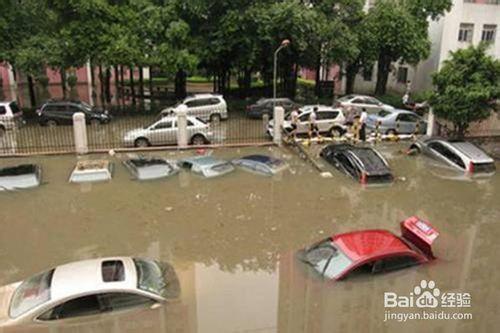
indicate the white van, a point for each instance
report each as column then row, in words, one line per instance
column 10, row 116
column 207, row 107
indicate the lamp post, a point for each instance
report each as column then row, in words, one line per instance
column 284, row 44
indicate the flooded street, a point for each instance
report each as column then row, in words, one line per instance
column 232, row 241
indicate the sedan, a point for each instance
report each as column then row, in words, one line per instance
column 88, row 288
column 265, row 106
column 396, row 122
column 360, row 103
column 372, row 251
column 262, row 164
column 208, row 166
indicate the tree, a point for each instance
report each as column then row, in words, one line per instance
column 467, row 87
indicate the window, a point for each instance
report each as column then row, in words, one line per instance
column 358, row 101
column 489, row 33
column 214, row 101
column 15, row 108
column 465, row 33
column 190, row 123
column 3, row 110
column 31, row 293
column 328, row 259
column 399, row 262
column 368, row 73
column 113, row 271
column 402, row 74
column 448, row 154
column 82, row 306
column 121, row 301
column 164, row 125
column 55, row 108
column 150, row 277
column 327, row 115
column 407, row 117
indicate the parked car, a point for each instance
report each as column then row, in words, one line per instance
column 207, row 107
column 328, row 119
column 164, row 132
column 265, row 106
column 360, row 163
column 54, row 113
column 372, row 251
column 88, row 288
column 11, row 116
column 261, row 164
column 20, row 177
column 90, row 171
column 456, row 154
column 396, row 122
column 207, row 166
column 148, row 168
column 361, row 103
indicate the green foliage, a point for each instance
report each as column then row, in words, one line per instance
column 467, row 87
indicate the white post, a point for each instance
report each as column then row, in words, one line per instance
column 182, row 135
column 279, row 117
column 430, row 123
column 80, row 133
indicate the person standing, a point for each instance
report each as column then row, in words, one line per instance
column 362, row 123
column 313, row 126
column 295, row 122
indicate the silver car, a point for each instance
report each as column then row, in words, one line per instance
column 207, row 166
column 20, row 177
column 456, row 154
column 396, row 122
column 208, row 107
column 361, row 103
column 87, row 288
column 148, row 168
column 164, row 132
column 261, row 164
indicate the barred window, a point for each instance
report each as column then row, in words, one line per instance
column 465, row 33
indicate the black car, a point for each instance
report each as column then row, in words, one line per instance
column 265, row 106
column 361, row 163
column 54, row 113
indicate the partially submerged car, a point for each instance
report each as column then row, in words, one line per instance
column 457, row 154
column 372, row 251
column 88, row 288
column 261, row 164
column 20, row 177
column 91, row 171
column 360, row 163
column 144, row 168
column 208, row 166
column 396, row 122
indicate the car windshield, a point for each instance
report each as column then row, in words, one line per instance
column 150, row 277
column 383, row 113
column 329, row 260
column 222, row 167
column 15, row 109
column 31, row 293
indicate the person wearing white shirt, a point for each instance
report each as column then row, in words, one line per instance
column 313, row 126
column 362, row 121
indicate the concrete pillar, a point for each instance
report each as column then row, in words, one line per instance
column 279, row 117
column 430, row 123
column 182, row 135
column 80, row 133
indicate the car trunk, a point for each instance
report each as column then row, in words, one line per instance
column 419, row 233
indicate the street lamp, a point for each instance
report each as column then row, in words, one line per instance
column 284, row 44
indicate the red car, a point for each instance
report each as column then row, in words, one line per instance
column 373, row 251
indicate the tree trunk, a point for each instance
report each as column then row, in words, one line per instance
column 101, row 84
column 141, row 82
column 150, row 81
column 317, row 85
column 31, row 88
column 132, row 86
column 117, row 90
column 350, row 77
column 63, row 82
column 108, row 85
column 384, row 66
column 247, row 82
column 180, row 84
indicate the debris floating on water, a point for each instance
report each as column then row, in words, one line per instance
column 326, row 174
column 169, row 209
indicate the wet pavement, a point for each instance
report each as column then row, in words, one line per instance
column 232, row 241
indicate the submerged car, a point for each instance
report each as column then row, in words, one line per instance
column 207, row 166
column 457, row 154
column 143, row 168
column 164, row 132
column 372, row 251
column 360, row 163
column 396, row 122
column 20, row 177
column 262, row 164
column 88, row 288
column 91, row 171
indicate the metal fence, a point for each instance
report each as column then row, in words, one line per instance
column 35, row 138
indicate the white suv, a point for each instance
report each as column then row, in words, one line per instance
column 10, row 116
column 208, row 107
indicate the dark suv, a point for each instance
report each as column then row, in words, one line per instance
column 54, row 113
column 265, row 106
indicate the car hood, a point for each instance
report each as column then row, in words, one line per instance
column 5, row 296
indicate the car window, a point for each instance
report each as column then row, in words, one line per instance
column 447, row 153
column 3, row 110
column 122, row 301
column 14, row 107
column 408, row 117
column 358, row 100
column 74, row 109
column 383, row 113
column 371, row 101
column 399, row 262
column 150, row 277
column 31, row 293
column 304, row 117
column 192, row 104
column 214, row 101
column 55, row 108
column 347, row 164
column 164, row 125
column 329, row 259
column 190, row 123
column 327, row 115
column 78, row 307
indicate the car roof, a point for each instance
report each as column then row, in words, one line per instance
column 204, row 160
column 85, row 277
column 471, row 151
column 261, row 159
column 371, row 160
column 206, row 95
column 367, row 244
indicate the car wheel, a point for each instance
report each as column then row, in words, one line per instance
column 336, row 132
column 392, row 132
column 94, row 122
column 215, row 118
column 198, row 140
column 51, row 123
column 141, row 143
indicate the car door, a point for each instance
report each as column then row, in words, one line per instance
column 303, row 123
column 407, row 123
column 440, row 152
column 163, row 132
column 199, row 108
column 326, row 120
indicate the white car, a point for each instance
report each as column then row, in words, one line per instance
column 87, row 288
column 10, row 116
column 360, row 103
column 164, row 132
column 208, row 107
column 329, row 120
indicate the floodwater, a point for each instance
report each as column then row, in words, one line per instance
column 232, row 241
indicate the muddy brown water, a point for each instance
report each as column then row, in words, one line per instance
column 232, row 241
